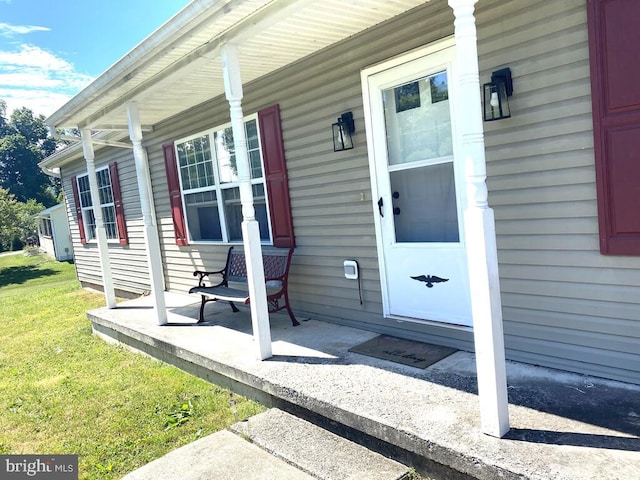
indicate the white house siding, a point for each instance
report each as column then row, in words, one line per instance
column 46, row 244
column 565, row 304
column 128, row 263
column 61, row 239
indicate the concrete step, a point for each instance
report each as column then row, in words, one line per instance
column 316, row 451
column 271, row 446
column 222, row 455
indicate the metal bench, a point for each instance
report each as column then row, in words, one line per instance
column 276, row 264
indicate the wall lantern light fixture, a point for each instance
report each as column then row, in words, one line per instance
column 342, row 131
column 496, row 95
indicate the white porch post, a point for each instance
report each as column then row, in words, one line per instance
column 480, row 233
column 250, row 227
column 152, row 242
column 101, row 233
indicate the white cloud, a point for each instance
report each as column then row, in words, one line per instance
column 35, row 78
column 31, row 56
column 9, row 30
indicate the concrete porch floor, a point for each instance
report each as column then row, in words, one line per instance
column 563, row 425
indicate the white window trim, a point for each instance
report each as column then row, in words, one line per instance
column 219, row 187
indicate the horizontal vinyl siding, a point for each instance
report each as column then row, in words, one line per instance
column 129, row 267
column 564, row 304
column 330, row 192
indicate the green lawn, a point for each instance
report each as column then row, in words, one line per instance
column 63, row 390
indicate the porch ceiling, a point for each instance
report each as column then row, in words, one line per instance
column 178, row 66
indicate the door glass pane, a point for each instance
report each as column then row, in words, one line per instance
column 424, row 204
column 417, row 120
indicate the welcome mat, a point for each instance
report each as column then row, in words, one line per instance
column 407, row 352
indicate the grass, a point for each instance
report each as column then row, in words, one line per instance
column 64, row 391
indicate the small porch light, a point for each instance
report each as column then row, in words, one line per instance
column 496, row 95
column 342, row 131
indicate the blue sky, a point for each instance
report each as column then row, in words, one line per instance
column 51, row 49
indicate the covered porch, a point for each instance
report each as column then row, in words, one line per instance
column 210, row 49
column 564, row 426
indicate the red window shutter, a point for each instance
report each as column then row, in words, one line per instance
column 614, row 37
column 175, row 195
column 276, row 178
column 76, row 199
column 117, row 201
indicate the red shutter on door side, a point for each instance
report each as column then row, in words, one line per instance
column 76, row 199
column 276, row 178
column 117, row 202
column 175, row 195
column 614, row 38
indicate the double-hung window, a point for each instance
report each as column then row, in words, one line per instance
column 110, row 205
column 203, row 184
column 207, row 168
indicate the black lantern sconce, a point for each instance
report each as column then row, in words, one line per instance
column 496, row 95
column 342, row 131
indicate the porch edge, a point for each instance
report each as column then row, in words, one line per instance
column 426, row 456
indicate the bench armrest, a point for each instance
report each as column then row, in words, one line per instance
column 203, row 274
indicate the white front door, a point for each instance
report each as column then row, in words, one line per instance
column 418, row 186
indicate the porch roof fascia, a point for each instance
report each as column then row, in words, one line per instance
column 142, row 53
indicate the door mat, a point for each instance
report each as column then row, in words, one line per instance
column 407, row 352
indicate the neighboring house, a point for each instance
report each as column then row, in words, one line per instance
column 54, row 233
column 563, row 170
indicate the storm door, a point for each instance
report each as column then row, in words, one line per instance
column 417, row 180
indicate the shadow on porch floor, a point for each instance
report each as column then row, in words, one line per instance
column 564, row 426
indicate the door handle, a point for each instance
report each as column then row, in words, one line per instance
column 380, row 203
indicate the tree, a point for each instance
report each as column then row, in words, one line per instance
column 25, row 141
column 18, row 220
column 8, row 219
column 4, row 127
